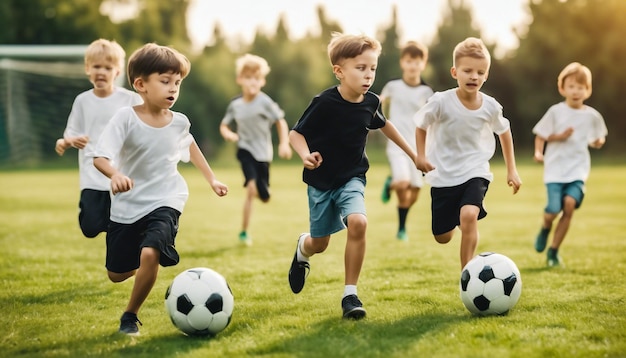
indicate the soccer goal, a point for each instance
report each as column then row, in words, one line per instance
column 37, row 87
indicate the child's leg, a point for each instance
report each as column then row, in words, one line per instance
column 355, row 248
column 569, row 206
column 251, row 193
column 469, row 232
column 145, row 278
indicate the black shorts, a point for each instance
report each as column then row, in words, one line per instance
column 255, row 170
column 447, row 202
column 158, row 230
column 95, row 211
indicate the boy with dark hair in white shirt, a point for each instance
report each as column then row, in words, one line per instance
column 455, row 155
column 147, row 142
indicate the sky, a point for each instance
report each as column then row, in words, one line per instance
column 418, row 19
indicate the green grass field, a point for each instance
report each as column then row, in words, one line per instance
column 57, row 302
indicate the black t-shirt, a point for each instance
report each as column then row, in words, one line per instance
column 338, row 129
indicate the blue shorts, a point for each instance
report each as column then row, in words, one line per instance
column 329, row 209
column 158, row 230
column 558, row 191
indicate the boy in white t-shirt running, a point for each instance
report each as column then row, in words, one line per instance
column 569, row 128
column 455, row 155
column 147, row 142
column 401, row 98
column 91, row 111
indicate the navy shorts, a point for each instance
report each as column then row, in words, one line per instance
column 447, row 202
column 95, row 211
column 257, row 171
column 158, row 230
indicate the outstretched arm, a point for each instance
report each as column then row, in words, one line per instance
column 512, row 177
column 299, row 144
column 421, row 161
column 199, row 161
column 284, row 150
column 390, row 131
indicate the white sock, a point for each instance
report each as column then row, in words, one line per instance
column 349, row 290
column 300, row 253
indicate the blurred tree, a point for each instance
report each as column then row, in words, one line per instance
column 589, row 32
column 388, row 63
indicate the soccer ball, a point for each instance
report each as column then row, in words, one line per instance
column 199, row 302
column 490, row 284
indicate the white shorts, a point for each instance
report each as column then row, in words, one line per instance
column 403, row 168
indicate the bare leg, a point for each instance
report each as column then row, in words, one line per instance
column 469, row 232
column 251, row 193
column 355, row 248
column 145, row 278
column 569, row 206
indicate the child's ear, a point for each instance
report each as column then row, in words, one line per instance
column 138, row 84
column 453, row 72
column 338, row 72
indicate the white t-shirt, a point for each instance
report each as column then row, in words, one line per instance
column 404, row 102
column 569, row 160
column 89, row 115
column 254, row 121
column 459, row 141
column 149, row 156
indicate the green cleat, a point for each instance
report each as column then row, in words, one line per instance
column 244, row 238
column 542, row 240
column 554, row 260
column 402, row 236
column 386, row 195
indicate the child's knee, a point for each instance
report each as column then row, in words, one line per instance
column 119, row 277
column 357, row 222
column 444, row 238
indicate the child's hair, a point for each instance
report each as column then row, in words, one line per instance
column 344, row 46
column 414, row 49
column 152, row 58
column 252, row 64
column 471, row 47
column 102, row 49
column 579, row 72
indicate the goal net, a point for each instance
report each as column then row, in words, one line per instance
column 38, row 85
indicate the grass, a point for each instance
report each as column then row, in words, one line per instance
column 57, row 302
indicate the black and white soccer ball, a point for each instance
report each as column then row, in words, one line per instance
column 199, row 302
column 490, row 284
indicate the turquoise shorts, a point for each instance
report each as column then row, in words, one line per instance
column 329, row 209
column 558, row 191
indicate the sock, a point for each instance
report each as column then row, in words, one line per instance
column 302, row 257
column 402, row 214
column 349, row 290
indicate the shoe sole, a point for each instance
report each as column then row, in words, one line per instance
column 356, row 314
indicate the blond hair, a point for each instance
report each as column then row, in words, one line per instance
column 343, row 46
column 152, row 58
column 471, row 47
column 580, row 73
column 249, row 63
column 102, row 49
column 414, row 49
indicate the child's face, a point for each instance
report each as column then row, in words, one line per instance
column 574, row 92
column 412, row 67
column 357, row 74
column 251, row 83
column 160, row 89
column 102, row 74
column 470, row 73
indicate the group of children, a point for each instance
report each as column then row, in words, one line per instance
column 130, row 143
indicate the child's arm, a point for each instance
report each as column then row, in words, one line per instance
column 539, row 145
column 284, row 150
column 228, row 134
column 512, row 177
column 299, row 144
column 422, row 162
column 598, row 143
column 60, row 146
column 390, row 131
column 119, row 182
column 199, row 161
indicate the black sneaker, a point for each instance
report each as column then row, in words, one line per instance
column 352, row 307
column 298, row 271
column 128, row 324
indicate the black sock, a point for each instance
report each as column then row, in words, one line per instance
column 402, row 214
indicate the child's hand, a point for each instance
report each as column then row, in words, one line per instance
column 597, row 144
column 284, row 150
column 232, row 137
column 313, row 160
column 566, row 134
column 514, row 181
column 219, row 188
column 538, row 157
column 60, row 146
column 78, row 142
column 423, row 164
column 121, row 183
